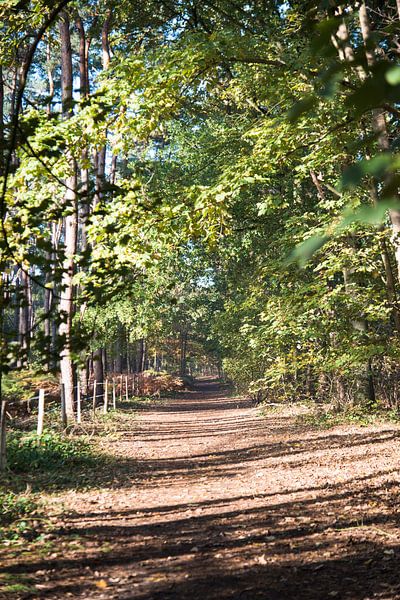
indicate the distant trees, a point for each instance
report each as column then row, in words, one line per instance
column 167, row 168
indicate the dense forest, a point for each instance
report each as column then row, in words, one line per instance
column 168, row 168
column 199, row 188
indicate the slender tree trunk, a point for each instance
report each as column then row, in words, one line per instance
column 2, row 137
column 56, row 231
column 118, row 358
column 380, row 127
column 100, row 157
column 389, row 275
column 346, row 53
column 98, row 374
column 140, row 355
column 183, row 352
column 144, row 355
column 84, row 201
column 47, row 308
column 3, row 432
column 66, row 305
column 50, row 79
column 359, row 325
column 24, row 320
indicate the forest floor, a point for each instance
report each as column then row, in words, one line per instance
column 215, row 501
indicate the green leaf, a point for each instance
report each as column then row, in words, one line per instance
column 393, row 76
column 371, row 215
column 304, row 251
column 376, row 167
column 301, row 107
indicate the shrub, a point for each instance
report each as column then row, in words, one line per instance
column 14, row 507
column 49, row 452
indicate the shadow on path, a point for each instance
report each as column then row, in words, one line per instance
column 224, row 504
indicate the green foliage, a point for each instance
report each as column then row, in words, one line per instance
column 239, row 158
column 17, row 515
column 352, row 415
column 22, row 385
column 14, row 507
column 50, row 452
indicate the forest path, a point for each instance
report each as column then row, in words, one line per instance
column 221, row 503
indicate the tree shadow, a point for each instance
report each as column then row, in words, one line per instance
column 305, row 542
column 279, row 549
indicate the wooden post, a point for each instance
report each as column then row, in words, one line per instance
column 64, row 419
column 3, row 453
column 126, row 388
column 40, row 421
column 120, row 390
column 78, row 404
column 114, row 395
column 133, row 384
column 94, row 396
column 105, row 407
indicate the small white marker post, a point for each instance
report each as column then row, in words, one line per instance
column 40, row 422
column 126, row 388
column 105, row 407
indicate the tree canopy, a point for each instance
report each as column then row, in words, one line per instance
column 189, row 183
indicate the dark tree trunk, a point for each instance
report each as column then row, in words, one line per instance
column 118, row 358
column 183, row 352
column 2, row 138
column 140, row 355
column 24, row 318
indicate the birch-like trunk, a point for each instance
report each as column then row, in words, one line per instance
column 84, row 201
column 100, row 166
column 66, row 305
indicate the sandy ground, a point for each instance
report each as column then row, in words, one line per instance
column 217, row 502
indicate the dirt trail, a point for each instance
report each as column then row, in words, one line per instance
column 221, row 503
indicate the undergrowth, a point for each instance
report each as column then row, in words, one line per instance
column 17, row 515
column 56, row 460
column 356, row 415
column 35, row 463
column 48, row 452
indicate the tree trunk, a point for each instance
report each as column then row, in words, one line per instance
column 3, row 433
column 98, row 374
column 380, row 127
column 389, row 275
column 84, row 201
column 24, row 320
column 140, row 355
column 100, row 158
column 183, row 352
column 66, row 305
column 118, row 358
column 50, row 78
column 2, row 138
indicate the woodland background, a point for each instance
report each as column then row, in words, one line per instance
column 202, row 186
